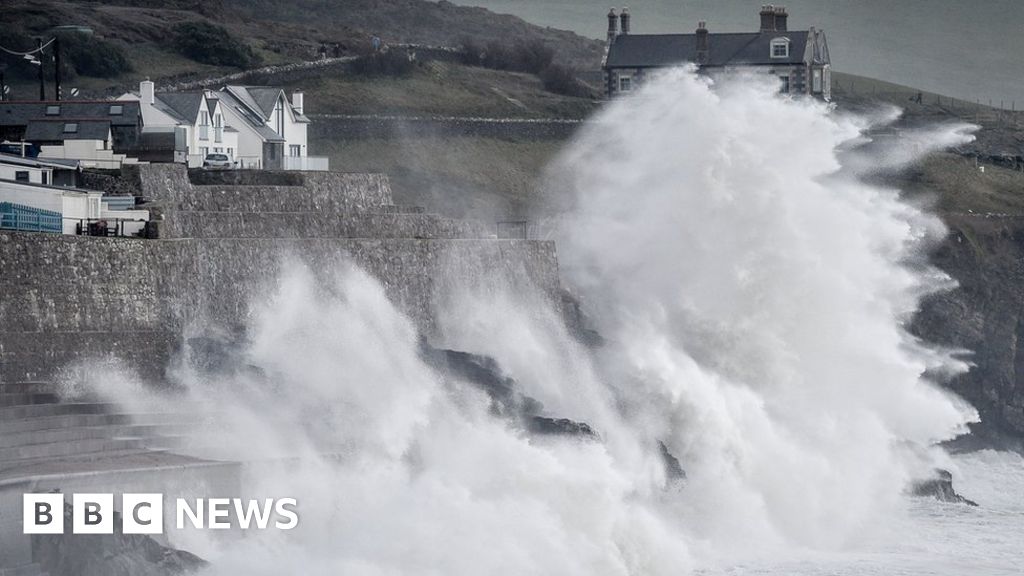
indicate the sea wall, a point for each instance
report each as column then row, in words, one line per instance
column 65, row 299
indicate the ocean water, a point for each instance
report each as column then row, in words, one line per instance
column 969, row 50
column 752, row 288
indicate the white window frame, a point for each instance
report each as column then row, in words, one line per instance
column 817, row 81
column 780, row 42
column 785, row 84
column 625, row 83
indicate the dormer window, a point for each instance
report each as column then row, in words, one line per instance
column 71, row 128
column 780, row 48
column 116, row 109
column 53, row 110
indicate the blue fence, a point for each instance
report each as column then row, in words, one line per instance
column 29, row 219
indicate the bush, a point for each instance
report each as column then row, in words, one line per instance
column 384, row 63
column 534, row 57
column 90, row 56
column 561, row 80
column 212, row 44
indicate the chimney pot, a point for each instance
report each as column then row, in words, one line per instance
column 297, row 101
column 703, row 44
column 781, row 19
column 613, row 24
column 767, row 18
column 147, row 92
column 625, row 20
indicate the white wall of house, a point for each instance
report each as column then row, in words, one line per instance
column 35, row 175
column 73, row 206
column 209, row 135
column 90, row 153
column 248, row 142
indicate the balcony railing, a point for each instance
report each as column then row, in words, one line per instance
column 307, row 163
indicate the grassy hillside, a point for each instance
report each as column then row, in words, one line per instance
column 147, row 34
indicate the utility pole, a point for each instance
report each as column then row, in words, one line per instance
column 42, row 78
column 56, row 69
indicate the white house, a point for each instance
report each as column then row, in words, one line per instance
column 39, row 170
column 196, row 115
column 271, row 128
column 88, row 141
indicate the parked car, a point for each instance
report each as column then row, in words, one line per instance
column 218, row 161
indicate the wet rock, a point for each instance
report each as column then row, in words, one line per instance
column 116, row 554
column 506, row 400
column 940, row 487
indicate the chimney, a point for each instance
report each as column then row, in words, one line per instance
column 625, row 20
column 146, row 91
column 703, row 48
column 297, row 101
column 767, row 18
column 781, row 19
column 613, row 25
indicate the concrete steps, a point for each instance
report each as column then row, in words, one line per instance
column 27, row 398
column 37, row 428
column 25, row 570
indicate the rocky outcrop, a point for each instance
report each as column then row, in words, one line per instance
column 940, row 487
column 984, row 315
column 116, row 554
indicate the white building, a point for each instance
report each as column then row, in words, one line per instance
column 39, row 170
column 77, row 208
column 196, row 116
column 88, row 141
column 271, row 128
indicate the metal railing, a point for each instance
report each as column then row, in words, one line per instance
column 107, row 227
column 513, row 229
column 28, row 219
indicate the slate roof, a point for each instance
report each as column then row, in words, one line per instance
column 37, row 162
column 53, row 130
column 262, row 99
column 184, row 105
column 724, row 49
column 20, row 113
column 241, row 102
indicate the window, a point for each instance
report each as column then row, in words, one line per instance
column 204, row 151
column 204, row 119
column 116, row 109
column 816, row 81
column 231, row 151
column 21, row 176
column 45, row 177
column 53, row 110
column 780, row 48
column 71, row 128
column 218, row 150
column 625, row 83
column 295, row 150
column 785, row 84
column 279, row 112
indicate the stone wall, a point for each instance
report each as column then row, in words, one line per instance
column 339, row 127
column 69, row 298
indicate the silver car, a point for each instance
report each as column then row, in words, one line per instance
column 218, row 161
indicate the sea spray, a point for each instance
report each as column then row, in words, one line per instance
column 759, row 291
column 751, row 292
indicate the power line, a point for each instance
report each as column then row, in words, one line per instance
column 30, row 52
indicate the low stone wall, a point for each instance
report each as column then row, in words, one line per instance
column 336, row 127
column 169, row 186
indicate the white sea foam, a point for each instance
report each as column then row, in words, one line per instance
column 752, row 292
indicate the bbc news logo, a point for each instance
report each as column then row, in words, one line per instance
column 144, row 513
